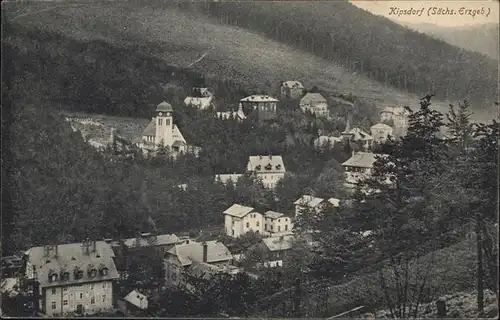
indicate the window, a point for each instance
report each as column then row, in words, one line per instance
column 286, row 227
column 248, row 224
column 65, row 302
column 104, row 285
column 167, row 122
column 91, row 286
column 257, row 223
column 104, row 298
column 279, row 228
column 92, row 300
column 53, row 290
column 233, row 232
column 81, row 295
column 53, row 304
column 271, row 227
column 65, row 289
column 160, row 121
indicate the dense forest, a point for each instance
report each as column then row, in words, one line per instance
column 361, row 42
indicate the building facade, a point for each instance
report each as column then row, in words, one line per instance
column 201, row 98
column 276, row 223
column 162, row 131
column 292, row 89
column 397, row 117
column 314, row 103
column 270, row 169
column 263, row 106
column 357, row 138
column 381, row 132
column 239, row 220
column 74, row 277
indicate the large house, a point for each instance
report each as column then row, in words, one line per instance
column 264, row 106
column 239, row 220
column 200, row 98
column 162, row 131
column 398, row 117
column 381, row 132
column 237, row 115
column 270, row 169
column 307, row 203
column 76, row 277
column 276, row 223
column 314, row 103
column 292, row 89
column 185, row 260
column 358, row 137
column 226, row 178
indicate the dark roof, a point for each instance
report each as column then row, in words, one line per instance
column 178, row 143
column 164, row 106
column 193, row 251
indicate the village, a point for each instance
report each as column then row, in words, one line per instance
column 86, row 278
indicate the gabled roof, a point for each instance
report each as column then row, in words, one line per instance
column 266, row 164
column 279, row 243
column 238, row 211
column 69, row 257
column 273, row 215
column 360, row 160
column 164, row 107
column 313, row 98
column 137, row 299
column 187, row 253
column 293, row 84
column 160, row 240
column 309, row 201
column 259, row 98
column 151, row 128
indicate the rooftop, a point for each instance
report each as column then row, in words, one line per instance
column 358, row 134
column 279, row 243
column 238, row 211
column 164, row 107
column 361, row 160
column 293, row 84
column 381, row 126
column 273, row 214
column 259, row 98
column 137, row 299
column 192, row 251
column 146, row 241
column 266, row 164
column 313, row 98
column 309, row 201
column 72, row 257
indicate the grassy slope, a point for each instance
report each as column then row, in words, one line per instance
column 181, row 38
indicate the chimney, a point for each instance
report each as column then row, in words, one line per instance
column 205, row 251
column 56, row 250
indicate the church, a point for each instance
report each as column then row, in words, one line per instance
column 162, row 131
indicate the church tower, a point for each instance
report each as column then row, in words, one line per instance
column 164, row 124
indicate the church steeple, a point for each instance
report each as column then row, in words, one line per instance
column 164, row 124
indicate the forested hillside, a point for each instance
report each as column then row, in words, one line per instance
column 481, row 38
column 364, row 43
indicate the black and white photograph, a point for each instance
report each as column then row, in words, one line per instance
column 250, row 159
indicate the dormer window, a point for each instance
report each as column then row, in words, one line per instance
column 92, row 271
column 258, row 167
column 78, row 273
column 52, row 276
column 278, row 166
column 64, row 275
column 103, row 270
column 269, row 167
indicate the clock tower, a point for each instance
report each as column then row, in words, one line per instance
column 164, row 124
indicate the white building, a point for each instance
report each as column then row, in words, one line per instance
column 226, row 178
column 270, row 169
column 277, row 249
column 314, row 103
column 276, row 223
column 381, row 132
column 399, row 118
column 76, row 277
column 201, row 98
column 162, row 131
column 264, row 105
column 239, row 220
